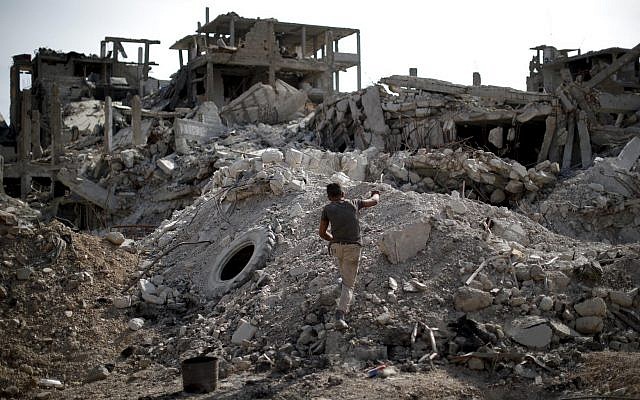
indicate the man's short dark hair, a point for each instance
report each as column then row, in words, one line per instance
column 334, row 190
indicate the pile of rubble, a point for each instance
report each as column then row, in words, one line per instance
column 16, row 217
column 423, row 113
column 600, row 203
column 512, row 293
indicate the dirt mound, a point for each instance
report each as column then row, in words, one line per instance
column 56, row 308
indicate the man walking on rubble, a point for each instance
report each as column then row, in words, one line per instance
column 345, row 242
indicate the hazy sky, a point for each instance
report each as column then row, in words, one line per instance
column 447, row 40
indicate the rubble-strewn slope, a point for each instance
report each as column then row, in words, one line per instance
column 534, row 291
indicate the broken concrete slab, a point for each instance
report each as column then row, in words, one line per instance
column 510, row 231
column 629, row 154
column 374, row 122
column 244, row 331
column 532, row 332
column 401, row 244
column 88, row 190
column 187, row 129
column 266, row 104
column 124, row 137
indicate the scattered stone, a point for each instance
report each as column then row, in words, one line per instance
column 469, row 299
column 244, row 331
column 24, row 273
column 591, row 307
column 122, row 301
column 135, row 323
column 166, row 165
column 3, row 292
column 621, row 298
column 546, row 303
column 589, row 325
column 97, row 373
column 116, row 238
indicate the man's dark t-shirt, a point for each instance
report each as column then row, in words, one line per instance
column 343, row 217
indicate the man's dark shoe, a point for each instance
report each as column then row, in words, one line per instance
column 341, row 324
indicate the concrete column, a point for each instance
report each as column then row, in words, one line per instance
column 25, row 185
column 140, row 73
column 145, row 71
column 24, row 137
column 232, row 32
column 136, row 120
column 304, row 42
column 315, row 47
column 36, row 147
column 55, row 125
column 337, row 71
column 14, row 83
column 359, row 68
column 206, row 15
column 181, row 60
column 328, row 44
column 477, row 80
column 103, row 49
column 209, row 84
column 108, row 125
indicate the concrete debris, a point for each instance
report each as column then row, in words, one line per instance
column 532, row 332
column 244, row 332
column 469, row 299
column 405, row 243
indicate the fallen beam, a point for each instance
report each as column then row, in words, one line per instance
column 600, row 77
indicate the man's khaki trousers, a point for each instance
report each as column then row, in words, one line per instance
column 348, row 259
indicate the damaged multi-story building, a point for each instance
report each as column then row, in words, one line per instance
column 231, row 53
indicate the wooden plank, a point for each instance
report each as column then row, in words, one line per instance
column 549, row 133
column 585, row 140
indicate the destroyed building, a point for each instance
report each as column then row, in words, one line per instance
column 503, row 254
column 232, row 53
